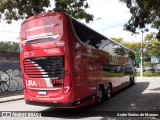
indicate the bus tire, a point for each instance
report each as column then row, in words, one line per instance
column 100, row 94
column 132, row 80
column 109, row 91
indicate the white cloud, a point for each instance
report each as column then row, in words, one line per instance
column 114, row 15
column 10, row 32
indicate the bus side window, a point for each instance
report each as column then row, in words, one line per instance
column 79, row 30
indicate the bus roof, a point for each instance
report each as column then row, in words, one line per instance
column 62, row 13
column 42, row 15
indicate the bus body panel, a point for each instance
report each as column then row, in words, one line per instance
column 59, row 69
column 36, row 48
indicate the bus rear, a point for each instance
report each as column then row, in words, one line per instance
column 44, row 61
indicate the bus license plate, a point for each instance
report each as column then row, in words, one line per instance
column 42, row 92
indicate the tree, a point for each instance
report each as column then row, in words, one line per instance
column 119, row 40
column 21, row 9
column 136, row 47
column 133, row 46
column 9, row 46
column 75, row 8
column 151, row 45
column 144, row 12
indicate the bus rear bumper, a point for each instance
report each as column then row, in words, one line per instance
column 75, row 104
column 49, row 104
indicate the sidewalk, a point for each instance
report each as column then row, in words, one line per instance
column 11, row 96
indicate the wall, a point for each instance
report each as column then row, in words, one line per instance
column 10, row 75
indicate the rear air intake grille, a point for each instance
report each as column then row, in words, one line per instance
column 44, row 67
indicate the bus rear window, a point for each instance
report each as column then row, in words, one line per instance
column 46, row 27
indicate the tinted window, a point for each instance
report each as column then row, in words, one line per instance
column 112, row 68
column 93, row 38
column 87, row 35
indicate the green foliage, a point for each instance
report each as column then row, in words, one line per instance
column 9, row 46
column 75, row 8
column 143, row 12
column 133, row 46
column 132, row 55
column 148, row 74
column 119, row 40
column 136, row 47
column 21, row 9
column 151, row 45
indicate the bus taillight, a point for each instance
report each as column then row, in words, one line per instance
column 67, row 82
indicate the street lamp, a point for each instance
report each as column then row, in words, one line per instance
column 141, row 74
column 95, row 20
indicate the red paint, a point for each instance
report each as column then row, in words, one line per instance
column 81, row 64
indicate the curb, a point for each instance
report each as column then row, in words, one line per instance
column 11, row 98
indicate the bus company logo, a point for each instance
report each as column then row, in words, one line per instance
column 31, row 83
column 40, row 27
column 35, row 83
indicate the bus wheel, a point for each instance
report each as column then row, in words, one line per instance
column 99, row 94
column 109, row 92
column 132, row 80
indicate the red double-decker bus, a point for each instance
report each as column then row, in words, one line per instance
column 67, row 64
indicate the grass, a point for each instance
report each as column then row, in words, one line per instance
column 149, row 74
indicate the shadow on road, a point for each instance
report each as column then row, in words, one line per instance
column 131, row 99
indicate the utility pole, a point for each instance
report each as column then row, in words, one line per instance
column 141, row 74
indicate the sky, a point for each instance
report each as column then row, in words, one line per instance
column 113, row 15
column 109, row 19
column 10, row 32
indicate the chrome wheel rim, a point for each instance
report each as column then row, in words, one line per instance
column 109, row 92
column 99, row 95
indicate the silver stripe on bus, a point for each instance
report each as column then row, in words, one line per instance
column 53, row 36
column 45, row 89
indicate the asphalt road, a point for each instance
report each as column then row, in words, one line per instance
column 143, row 97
